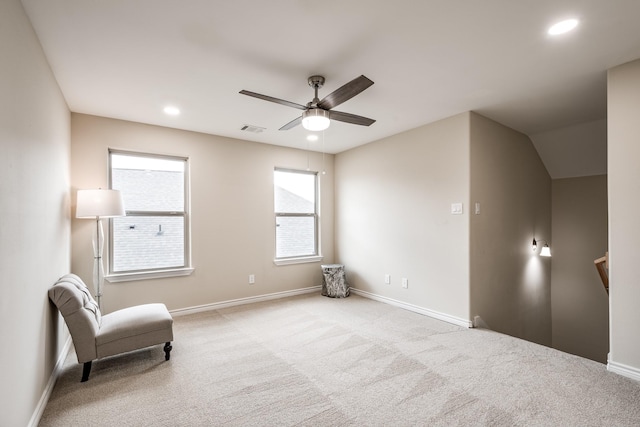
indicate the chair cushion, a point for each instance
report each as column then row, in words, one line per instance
column 80, row 312
column 134, row 327
column 74, row 296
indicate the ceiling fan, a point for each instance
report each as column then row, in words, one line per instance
column 317, row 114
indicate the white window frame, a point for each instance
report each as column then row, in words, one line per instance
column 300, row 259
column 184, row 270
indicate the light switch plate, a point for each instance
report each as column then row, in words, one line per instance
column 456, row 208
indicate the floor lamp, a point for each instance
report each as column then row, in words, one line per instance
column 98, row 204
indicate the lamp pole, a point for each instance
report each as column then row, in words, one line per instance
column 98, row 267
column 98, row 204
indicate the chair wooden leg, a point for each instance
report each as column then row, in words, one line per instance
column 167, row 350
column 86, row 370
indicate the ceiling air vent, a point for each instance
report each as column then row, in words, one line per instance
column 251, row 128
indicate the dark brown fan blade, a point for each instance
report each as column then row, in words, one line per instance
column 345, row 92
column 272, row 99
column 293, row 123
column 350, row 118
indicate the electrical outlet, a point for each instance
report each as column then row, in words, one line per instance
column 405, row 282
column 387, row 279
column 252, row 279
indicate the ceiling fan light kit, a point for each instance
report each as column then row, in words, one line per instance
column 315, row 119
column 316, row 115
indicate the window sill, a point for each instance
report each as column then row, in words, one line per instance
column 158, row 274
column 301, row 260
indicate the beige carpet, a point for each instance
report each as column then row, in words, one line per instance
column 316, row 361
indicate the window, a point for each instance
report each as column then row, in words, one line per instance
column 296, row 214
column 153, row 236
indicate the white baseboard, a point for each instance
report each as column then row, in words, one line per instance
column 622, row 369
column 242, row 301
column 267, row 297
column 46, row 394
column 465, row 323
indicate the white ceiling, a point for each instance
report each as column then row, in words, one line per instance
column 429, row 60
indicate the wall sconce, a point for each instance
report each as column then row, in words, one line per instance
column 545, row 251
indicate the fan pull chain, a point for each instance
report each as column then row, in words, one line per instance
column 323, row 171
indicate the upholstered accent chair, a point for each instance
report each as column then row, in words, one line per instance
column 96, row 336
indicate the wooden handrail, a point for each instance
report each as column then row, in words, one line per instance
column 602, row 265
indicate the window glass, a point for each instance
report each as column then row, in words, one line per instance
column 148, row 242
column 295, row 201
column 295, row 236
column 147, row 183
column 153, row 235
column 295, row 192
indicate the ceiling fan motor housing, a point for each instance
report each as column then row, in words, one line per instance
column 316, row 82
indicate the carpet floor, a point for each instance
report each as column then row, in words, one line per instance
column 315, row 361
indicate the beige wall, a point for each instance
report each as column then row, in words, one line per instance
column 580, row 304
column 393, row 216
column 623, row 167
column 34, row 212
column 232, row 222
column 510, row 285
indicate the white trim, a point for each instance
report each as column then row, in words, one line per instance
column 46, row 394
column 465, row 323
column 242, row 301
column 301, row 260
column 622, row 369
column 157, row 274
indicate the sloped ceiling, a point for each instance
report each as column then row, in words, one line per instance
column 429, row 60
column 574, row 151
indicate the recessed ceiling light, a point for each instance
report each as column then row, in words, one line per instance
column 312, row 137
column 171, row 110
column 562, row 27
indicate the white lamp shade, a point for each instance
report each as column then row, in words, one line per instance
column 545, row 251
column 315, row 119
column 99, row 204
